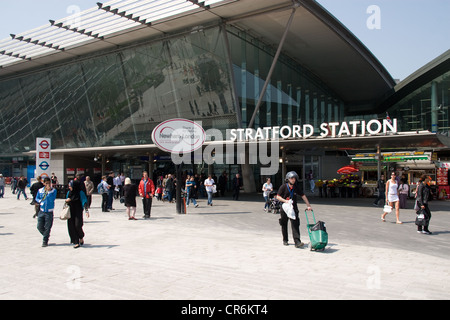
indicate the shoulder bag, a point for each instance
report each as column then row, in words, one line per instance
column 65, row 212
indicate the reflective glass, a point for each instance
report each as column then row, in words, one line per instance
column 118, row 98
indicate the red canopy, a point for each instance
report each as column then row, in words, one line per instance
column 347, row 170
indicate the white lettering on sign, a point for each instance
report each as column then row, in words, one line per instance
column 355, row 128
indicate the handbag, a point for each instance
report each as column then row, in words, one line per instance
column 421, row 218
column 387, row 209
column 65, row 212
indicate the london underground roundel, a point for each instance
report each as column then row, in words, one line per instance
column 179, row 136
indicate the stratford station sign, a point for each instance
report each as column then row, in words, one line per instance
column 355, row 128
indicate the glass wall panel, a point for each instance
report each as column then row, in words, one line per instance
column 118, row 98
column 426, row 108
column 294, row 95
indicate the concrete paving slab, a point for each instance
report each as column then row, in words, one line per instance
column 230, row 251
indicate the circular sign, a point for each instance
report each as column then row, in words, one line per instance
column 44, row 144
column 44, row 165
column 179, row 135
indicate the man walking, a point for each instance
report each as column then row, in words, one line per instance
column 291, row 191
column 209, row 183
column 237, row 184
column 147, row 192
column 46, row 198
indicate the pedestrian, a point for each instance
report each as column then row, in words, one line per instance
column 110, row 182
column 2, row 186
column 117, row 185
column 267, row 189
column 122, row 183
column 170, row 186
column 13, row 185
column 403, row 191
column 89, row 190
column 190, row 192
column 21, row 185
column 130, row 192
column 423, row 196
column 45, row 197
column 35, row 187
column 209, row 185
column 310, row 178
column 147, row 192
column 222, row 183
column 381, row 191
column 392, row 198
column 237, row 185
column 54, row 179
column 291, row 191
column 75, row 223
column 102, row 189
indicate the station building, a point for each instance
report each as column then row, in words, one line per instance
column 98, row 83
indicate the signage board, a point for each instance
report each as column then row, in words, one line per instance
column 179, row 136
column 43, row 157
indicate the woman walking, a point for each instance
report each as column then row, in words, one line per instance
column 75, row 223
column 423, row 195
column 267, row 189
column 130, row 192
column 403, row 191
column 392, row 197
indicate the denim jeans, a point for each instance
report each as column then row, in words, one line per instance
column 44, row 224
column 267, row 202
column 210, row 194
column 24, row 194
column 189, row 199
column 2, row 191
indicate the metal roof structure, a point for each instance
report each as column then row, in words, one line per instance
column 95, row 24
column 316, row 39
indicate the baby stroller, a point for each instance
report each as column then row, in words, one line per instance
column 274, row 204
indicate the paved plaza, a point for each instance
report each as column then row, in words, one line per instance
column 230, row 251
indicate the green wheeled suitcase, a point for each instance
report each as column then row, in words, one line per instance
column 318, row 235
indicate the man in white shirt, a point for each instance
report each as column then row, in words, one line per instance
column 209, row 186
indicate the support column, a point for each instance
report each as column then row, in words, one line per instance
column 434, row 107
column 272, row 68
column 151, row 166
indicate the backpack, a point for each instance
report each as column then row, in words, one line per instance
column 100, row 188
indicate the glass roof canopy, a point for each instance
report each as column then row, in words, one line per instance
column 95, row 24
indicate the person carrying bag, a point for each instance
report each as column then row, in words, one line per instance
column 424, row 213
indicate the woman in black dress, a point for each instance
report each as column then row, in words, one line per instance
column 130, row 193
column 75, row 223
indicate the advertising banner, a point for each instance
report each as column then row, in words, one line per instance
column 43, row 157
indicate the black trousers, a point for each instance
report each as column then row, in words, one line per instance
column 75, row 223
column 104, row 202
column 147, row 203
column 427, row 213
column 236, row 193
column 295, row 226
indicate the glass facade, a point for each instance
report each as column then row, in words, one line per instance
column 426, row 108
column 294, row 95
column 118, row 98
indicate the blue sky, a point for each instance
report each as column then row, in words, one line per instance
column 411, row 32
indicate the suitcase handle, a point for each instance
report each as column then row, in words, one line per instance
column 314, row 218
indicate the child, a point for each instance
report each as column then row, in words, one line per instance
column 159, row 193
column 46, row 198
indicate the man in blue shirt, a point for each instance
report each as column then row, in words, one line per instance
column 46, row 198
column 190, row 185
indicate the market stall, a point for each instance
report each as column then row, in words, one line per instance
column 410, row 165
